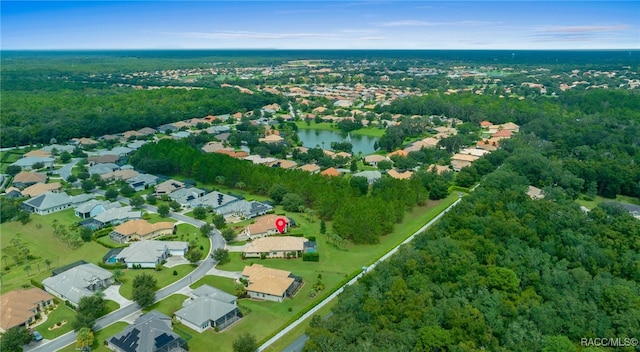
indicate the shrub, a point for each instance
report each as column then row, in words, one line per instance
column 311, row 257
column 175, row 273
column 312, row 238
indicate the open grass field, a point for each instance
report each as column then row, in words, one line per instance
column 38, row 237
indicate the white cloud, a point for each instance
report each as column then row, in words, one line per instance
column 252, row 35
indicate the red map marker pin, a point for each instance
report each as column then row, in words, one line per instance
column 281, row 224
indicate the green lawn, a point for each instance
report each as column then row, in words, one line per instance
column 168, row 305
column 164, row 277
column 590, row 204
column 154, row 218
column 39, row 239
column 100, row 337
column 61, row 313
column 327, row 126
column 223, row 283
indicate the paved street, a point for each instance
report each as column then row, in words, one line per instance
column 205, row 265
column 65, row 171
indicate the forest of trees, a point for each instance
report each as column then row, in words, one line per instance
column 37, row 116
column 333, row 198
column 500, row 272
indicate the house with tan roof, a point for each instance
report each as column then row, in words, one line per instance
column 485, row 124
column 25, row 179
column 84, row 141
column 284, row 164
column 146, row 131
column 502, row 134
column 39, row 153
column 136, row 230
column 535, row 193
column 439, row 169
column 399, row 175
column 272, row 138
column 232, row 153
column 510, row 126
column 264, row 226
column 331, row 172
column 399, row 153
column 275, row 247
column 458, row 161
column 19, row 308
column 129, row 134
column 374, row 159
column 40, row 188
column 167, row 187
column 270, row 284
column 120, row 175
column 312, row 168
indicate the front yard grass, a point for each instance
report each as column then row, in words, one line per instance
column 165, row 277
column 60, row 314
column 168, row 305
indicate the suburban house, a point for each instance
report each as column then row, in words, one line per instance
column 270, row 284
column 535, row 193
column 77, row 282
column 399, row 175
column 101, row 169
column 122, row 174
column 39, row 188
column 265, row 226
column 372, row 175
column 275, row 247
column 136, row 230
column 185, row 196
column 94, row 207
column 226, row 205
column 332, row 171
column 209, row 307
column 25, row 179
column 148, row 254
column 19, row 308
column 458, row 161
column 311, row 168
column 284, row 164
column 102, row 159
column 27, row 163
column 150, row 332
column 375, row 159
column 142, row 181
column 438, row 169
column 112, row 216
column 632, row 209
column 12, row 192
column 167, row 187
column 51, row 202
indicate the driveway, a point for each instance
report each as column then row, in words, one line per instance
column 237, row 248
column 112, row 293
column 229, row 274
column 175, row 260
column 65, row 171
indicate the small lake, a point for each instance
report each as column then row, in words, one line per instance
column 315, row 138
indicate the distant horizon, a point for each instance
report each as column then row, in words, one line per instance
column 319, row 25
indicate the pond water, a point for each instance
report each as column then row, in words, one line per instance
column 323, row 139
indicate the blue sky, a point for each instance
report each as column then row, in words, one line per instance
column 320, row 25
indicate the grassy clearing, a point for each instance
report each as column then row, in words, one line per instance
column 38, row 237
column 590, row 204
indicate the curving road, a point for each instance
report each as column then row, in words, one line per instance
column 204, row 266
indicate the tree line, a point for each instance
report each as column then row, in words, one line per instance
column 332, row 198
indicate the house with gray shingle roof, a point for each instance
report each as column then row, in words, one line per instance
column 112, row 216
column 185, row 196
column 47, row 203
column 210, row 308
column 27, row 163
column 371, row 175
column 150, row 253
column 102, row 169
column 80, row 281
column 151, row 332
column 142, row 181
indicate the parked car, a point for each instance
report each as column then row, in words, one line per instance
column 37, row 336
